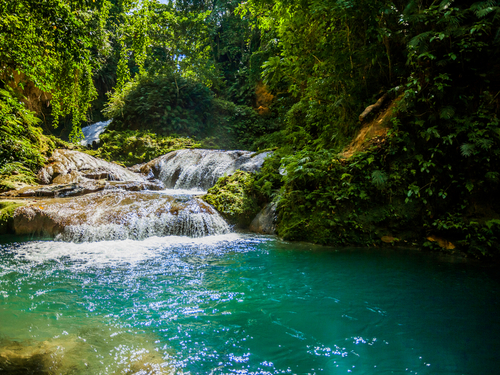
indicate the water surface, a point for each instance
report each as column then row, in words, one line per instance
column 242, row 304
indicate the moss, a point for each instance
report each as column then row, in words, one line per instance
column 129, row 147
column 14, row 175
column 234, row 197
column 7, row 209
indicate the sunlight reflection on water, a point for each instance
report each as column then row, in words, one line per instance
column 246, row 304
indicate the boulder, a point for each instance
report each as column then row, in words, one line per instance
column 265, row 221
column 67, row 166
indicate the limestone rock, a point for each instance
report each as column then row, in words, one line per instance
column 118, row 215
column 81, row 188
column 67, row 166
column 265, row 221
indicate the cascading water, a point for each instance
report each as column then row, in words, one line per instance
column 110, row 212
column 120, row 215
column 92, row 132
column 200, row 169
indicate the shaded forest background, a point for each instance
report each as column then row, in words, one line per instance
column 299, row 77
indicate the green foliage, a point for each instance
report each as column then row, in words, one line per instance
column 239, row 126
column 15, row 172
column 22, row 144
column 157, row 38
column 131, row 147
column 166, row 104
column 47, row 43
column 234, row 197
column 329, row 200
column 332, row 56
column 173, row 105
column 442, row 155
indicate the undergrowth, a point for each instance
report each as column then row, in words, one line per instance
column 131, row 147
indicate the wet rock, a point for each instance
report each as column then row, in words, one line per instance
column 67, row 166
column 265, row 221
column 118, row 215
column 199, row 169
column 81, row 188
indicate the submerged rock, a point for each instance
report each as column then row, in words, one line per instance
column 72, row 355
column 67, row 166
column 265, row 221
column 119, row 215
column 37, row 358
column 199, row 169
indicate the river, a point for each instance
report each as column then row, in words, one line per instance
column 243, row 304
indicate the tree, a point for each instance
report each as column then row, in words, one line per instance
column 47, row 43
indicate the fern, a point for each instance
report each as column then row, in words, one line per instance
column 379, row 178
column 467, row 149
column 447, row 113
column 485, row 143
column 482, row 9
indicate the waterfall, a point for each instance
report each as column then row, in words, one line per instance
column 117, row 211
column 200, row 169
column 120, row 215
column 92, row 132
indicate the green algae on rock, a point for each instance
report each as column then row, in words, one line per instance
column 7, row 209
column 234, row 198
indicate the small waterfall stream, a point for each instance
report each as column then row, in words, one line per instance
column 199, row 170
column 114, row 213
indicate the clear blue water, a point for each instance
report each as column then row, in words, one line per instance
column 241, row 304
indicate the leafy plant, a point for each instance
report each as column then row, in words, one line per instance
column 22, row 145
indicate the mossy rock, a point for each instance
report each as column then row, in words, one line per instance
column 130, row 147
column 15, row 175
column 233, row 197
column 7, row 209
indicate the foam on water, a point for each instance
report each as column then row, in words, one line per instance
column 119, row 252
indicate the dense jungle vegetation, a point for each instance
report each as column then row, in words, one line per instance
column 383, row 115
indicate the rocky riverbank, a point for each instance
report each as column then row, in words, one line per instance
column 83, row 198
